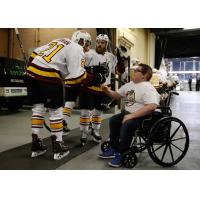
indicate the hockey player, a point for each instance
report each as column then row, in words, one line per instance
column 73, row 88
column 48, row 66
column 92, row 98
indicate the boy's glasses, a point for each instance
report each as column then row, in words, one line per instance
column 137, row 70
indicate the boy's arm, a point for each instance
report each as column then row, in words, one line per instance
column 110, row 93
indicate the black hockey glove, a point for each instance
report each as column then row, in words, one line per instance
column 94, row 79
column 98, row 79
column 102, row 68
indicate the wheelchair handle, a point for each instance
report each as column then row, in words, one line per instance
column 169, row 97
column 176, row 93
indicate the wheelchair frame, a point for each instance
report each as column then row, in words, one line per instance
column 166, row 138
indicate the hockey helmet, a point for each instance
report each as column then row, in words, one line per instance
column 102, row 37
column 81, row 35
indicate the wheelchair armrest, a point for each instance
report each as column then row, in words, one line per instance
column 163, row 107
column 166, row 110
column 151, row 119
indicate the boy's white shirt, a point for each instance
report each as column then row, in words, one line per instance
column 138, row 94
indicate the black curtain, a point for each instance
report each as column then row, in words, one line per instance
column 183, row 47
column 161, row 43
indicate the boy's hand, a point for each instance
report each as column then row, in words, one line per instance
column 104, row 87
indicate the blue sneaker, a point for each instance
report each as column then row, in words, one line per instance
column 109, row 153
column 116, row 162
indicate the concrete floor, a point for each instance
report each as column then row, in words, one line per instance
column 15, row 131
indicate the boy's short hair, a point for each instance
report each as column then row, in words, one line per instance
column 146, row 70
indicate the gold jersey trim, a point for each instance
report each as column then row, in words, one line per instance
column 33, row 55
column 43, row 73
column 98, row 89
column 76, row 80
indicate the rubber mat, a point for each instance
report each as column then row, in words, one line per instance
column 19, row 158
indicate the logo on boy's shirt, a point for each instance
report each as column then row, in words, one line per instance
column 130, row 98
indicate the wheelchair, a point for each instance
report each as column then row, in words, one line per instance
column 165, row 138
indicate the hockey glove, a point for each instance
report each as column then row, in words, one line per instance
column 94, row 79
column 102, row 68
column 98, row 79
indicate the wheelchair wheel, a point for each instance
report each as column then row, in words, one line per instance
column 105, row 145
column 129, row 159
column 168, row 141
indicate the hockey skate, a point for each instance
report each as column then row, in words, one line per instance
column 84, row 138
column 37, row 148
column 59, row 149
column 66, row 130
column 96, row 136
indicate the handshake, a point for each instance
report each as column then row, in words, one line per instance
column 102, row 68
column 99, row 73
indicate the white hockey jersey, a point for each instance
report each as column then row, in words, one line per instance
column 93, row 59
column 60, row 59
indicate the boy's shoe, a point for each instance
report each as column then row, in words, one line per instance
column 59, row 149
column 116, row 162
column 37, row 148
column 109, row 153
column 96, row 136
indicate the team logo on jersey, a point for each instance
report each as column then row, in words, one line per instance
column 108, row 69
column 130, row 98
column 82, row 62
column 64, row 41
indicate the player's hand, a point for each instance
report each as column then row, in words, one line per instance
column 104, row 87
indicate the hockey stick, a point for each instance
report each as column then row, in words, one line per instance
column 25, row 60
column 21, row 46
column 117, row 79
column 129, row 69
column 47, row 127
